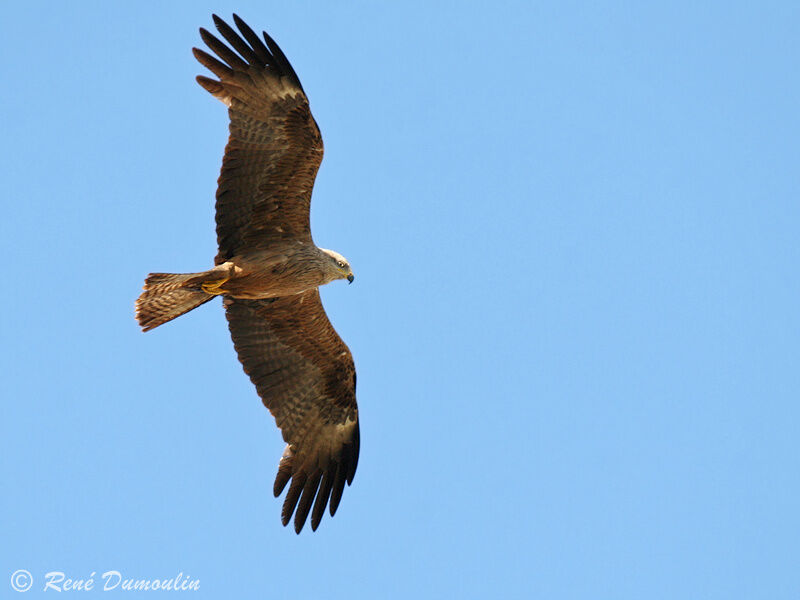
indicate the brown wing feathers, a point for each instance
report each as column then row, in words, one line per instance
column 324, row 484
column 274, row 149
column 304, row 374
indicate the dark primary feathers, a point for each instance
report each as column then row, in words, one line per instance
column 274, row 149
column 301, row 368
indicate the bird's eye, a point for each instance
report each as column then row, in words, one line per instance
column 340, row 263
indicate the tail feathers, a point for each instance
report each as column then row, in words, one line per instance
column 167, row 296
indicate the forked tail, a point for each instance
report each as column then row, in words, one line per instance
column 167, row 296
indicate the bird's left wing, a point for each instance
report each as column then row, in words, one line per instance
column 305, row 376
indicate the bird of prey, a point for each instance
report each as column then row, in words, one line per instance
column 268, row 270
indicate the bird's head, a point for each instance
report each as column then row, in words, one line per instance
column 336, row 266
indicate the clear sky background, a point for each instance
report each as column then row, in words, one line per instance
column 575, row 319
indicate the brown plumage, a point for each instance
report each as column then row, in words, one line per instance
column 268, row 271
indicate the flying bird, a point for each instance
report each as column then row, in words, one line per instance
column 268, row 270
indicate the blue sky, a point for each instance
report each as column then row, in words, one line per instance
column 575, row 319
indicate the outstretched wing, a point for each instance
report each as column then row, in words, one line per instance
column 305, row 375
column 274, row 149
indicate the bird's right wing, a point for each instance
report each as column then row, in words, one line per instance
column 274, row 149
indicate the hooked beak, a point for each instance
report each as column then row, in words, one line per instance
column 350, row 278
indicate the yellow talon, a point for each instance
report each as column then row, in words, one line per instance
column 213, row 287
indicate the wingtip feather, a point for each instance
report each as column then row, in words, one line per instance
column 304, row 506
column 284, row 472
column 338, row 487
column 292, row 496
column 321, row 502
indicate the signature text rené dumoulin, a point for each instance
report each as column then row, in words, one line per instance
column 57, row 581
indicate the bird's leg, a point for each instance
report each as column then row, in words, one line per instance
column 213, row 287
column 216, row 278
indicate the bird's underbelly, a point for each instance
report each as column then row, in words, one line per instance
column 265, row 284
